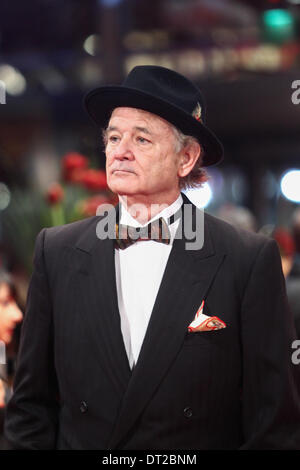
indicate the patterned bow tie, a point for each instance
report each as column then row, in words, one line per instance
column 157, row 231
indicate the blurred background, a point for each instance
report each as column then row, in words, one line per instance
column 245, row 57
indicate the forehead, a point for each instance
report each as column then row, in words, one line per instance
column 134, row 117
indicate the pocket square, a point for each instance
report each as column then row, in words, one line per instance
column 202, row 322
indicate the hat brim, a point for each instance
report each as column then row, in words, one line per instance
column 100, row 103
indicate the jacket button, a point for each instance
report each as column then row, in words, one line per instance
column 188, row 412
column 83, row 407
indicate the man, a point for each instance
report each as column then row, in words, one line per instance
column 151, row 345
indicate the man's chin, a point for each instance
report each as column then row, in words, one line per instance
column 122, row 190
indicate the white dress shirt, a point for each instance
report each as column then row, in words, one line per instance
column 139, row 271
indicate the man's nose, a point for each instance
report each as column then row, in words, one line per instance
column 124, row 151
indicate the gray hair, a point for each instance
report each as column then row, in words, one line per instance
column 197, row 175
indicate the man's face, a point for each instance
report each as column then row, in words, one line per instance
column 141, row 162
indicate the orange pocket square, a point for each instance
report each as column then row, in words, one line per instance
column 202, row 322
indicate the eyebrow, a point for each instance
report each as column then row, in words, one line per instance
column 136, row 128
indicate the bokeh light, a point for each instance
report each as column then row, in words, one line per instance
column 15, row 83
column 290, row 185
column 201, row 197
column 4, row 196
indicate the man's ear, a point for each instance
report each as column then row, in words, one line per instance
column 188, row 157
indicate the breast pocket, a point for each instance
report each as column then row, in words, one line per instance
column 203, row 338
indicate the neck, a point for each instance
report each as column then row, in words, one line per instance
column 144, row 210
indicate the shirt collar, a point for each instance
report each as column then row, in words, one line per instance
column 166, row 213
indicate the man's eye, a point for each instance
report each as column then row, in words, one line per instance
column 113, row 139
column 142, row 140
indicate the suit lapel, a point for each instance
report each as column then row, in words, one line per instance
column 187, row 278
column 98, row 300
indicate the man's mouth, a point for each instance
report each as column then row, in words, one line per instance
column 122, row 171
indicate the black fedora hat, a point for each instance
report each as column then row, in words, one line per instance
column 163, row 92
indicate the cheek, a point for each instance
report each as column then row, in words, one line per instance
column 107, row 163
column 168, row 168
column 161, row 170
column 110, row 152
column 108, row 158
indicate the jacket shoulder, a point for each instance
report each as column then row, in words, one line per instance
column 235, row 238
column 69, row 234
column 244, row 250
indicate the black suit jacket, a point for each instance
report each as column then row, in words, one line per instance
column 227, row 389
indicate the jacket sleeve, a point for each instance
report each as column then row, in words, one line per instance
column 32, row 412
column 271, row 381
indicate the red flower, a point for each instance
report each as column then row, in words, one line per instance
column 73, row 164
column 89, row 206
column 54, row 194
column 93, row 179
